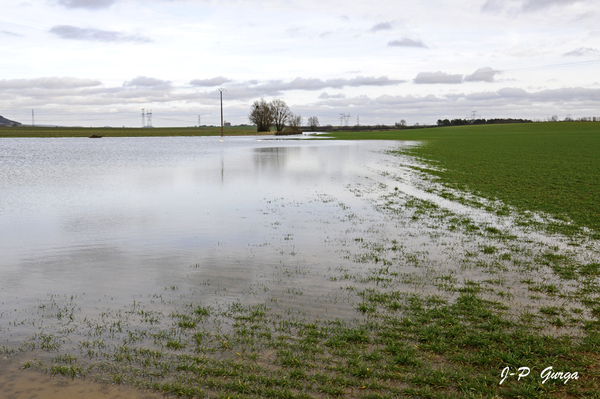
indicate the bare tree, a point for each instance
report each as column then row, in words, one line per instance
column 281, row 114
column 261, row 114
column 402, row 124
column 313, row 122
column 295, row 122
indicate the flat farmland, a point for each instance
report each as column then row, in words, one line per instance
column 552, row 168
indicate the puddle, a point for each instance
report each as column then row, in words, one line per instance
column 16, row 384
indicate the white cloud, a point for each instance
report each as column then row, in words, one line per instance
column 51, row 83
column 536, row 5
column 485, row 74
column 437, row 78
column 524, row 5
column 216, row 81
column 9, row 33
column 326, row 96
column 144, row 81
column 406, row 42
column 89, row 4
column 88, row 34
column 583, row 51
column 175, row 53
column 381, row 26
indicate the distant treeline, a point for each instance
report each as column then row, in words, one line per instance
column 459, row 122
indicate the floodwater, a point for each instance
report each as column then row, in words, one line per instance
column 99, row 224
column 90, row 228
column 236, row 219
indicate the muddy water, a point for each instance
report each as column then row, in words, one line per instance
column 18, row 384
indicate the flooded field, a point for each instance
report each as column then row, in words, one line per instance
column 249, row 266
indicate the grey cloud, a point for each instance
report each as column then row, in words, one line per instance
column 408, row 99
column 363, row 101
column 513, row 94
column 295, row 31
column 53, row 83
column 254, row 89
column 406, row 42
column 567, row 94
column 144, row 81
column 492, row 6
column 582, row 51
column 216, row 81
column 326, row 96
column 8, row 33
column 523, row 5
column 318, row 84
column 381, row 26
column 275, row 87
column 506, row 102
column 485, row 74
column 89, row 4
column 535, row 5
column 75, row 33
column 437, row 77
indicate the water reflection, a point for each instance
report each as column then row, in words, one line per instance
column 130, row 216
column 274, row 159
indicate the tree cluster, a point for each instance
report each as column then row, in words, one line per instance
column 274, row 113
column 459, row 122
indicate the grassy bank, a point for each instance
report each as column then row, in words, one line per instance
column 27, row 131
column 548, row 167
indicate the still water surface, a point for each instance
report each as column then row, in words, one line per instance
column 121, row 218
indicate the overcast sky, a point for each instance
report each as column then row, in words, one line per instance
column 99, row 62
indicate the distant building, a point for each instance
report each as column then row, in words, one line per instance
column 227, row 124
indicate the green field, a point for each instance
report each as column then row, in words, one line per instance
column 27, row 131
column 552, row 168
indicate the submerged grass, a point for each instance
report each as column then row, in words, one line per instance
column 421, row 346
column 553, row 168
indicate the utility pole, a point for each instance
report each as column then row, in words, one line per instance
column 32, row 119
column 221, row 90
column 199, row 121
column 344, row 119
column 143, row 117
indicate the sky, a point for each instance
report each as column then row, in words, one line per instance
column 100, row 62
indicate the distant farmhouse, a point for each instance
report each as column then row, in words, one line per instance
column 8, row 122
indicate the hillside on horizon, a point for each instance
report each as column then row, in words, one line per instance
column 8, row 122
